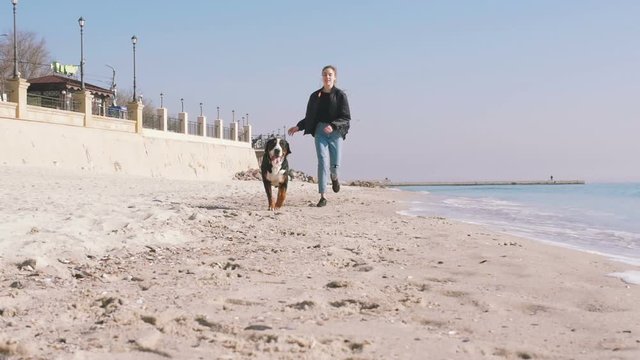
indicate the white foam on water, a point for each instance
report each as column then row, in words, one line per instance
column 629, row 277
column 558, row 226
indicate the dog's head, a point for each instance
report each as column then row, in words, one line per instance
column 278, row 149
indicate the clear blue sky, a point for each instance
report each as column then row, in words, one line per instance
column 439, row 90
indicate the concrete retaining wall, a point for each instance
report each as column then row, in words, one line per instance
column 7, row 110
column 152, row 153
column 55, row 116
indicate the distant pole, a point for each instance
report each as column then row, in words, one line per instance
column 182, row 104
column 81, row 23
column 200, row 109
column 134, row 40
column 161, row 99
column 247, row 119
column 218, row 110
column 233, row 116
column 113, row 77
column 16, row 73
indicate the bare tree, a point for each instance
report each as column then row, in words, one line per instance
column 123, row 97
column 33, row 55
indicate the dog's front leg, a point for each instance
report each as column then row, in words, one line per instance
column 267, row 189
column 282, row 194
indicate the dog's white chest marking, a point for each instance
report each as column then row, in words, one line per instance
column 276, row 175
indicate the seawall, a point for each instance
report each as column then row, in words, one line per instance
column 150, row 153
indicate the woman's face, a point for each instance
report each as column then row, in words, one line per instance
column 328, row 77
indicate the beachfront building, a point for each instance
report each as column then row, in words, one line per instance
column 56, row 92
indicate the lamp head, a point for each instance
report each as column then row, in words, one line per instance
column 81, row 22
column 134, row 39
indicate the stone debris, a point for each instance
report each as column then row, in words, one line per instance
column 302, row 305
column 367, row 183
column 254, row 174
column 29, row 265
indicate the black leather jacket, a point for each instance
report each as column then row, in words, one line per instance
column 340, row 115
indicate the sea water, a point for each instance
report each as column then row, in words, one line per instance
column 599, row 218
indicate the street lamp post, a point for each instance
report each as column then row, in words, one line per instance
column 200, row 109
column 134, row 40
column 81, row 23
column 2, row 80
column 113, row 89
column 16, row 73
column 182, row 103
column 161, row 100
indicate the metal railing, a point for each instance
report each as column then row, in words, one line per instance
column 211, row 130
column 98, row 109
column 193, row 128
column 152, row 122
column 259, row 141
column 174, row 124
column 65, row 103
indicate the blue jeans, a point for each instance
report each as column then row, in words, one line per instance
column 328, row 150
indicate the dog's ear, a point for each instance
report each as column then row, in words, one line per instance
column 269, row 144
column 286, row 146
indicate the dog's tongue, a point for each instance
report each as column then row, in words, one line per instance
column 276, row 159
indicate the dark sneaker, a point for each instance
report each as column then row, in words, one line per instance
column 335, row 185
column 322, row 202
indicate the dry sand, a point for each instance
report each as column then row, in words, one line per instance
column 115, row 267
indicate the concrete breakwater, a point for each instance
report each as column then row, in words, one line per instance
column 480, row 183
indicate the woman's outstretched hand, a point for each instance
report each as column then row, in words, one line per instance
column 293, row 130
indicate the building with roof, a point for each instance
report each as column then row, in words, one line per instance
column 55, row 91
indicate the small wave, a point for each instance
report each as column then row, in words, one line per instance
column 629, row 277
column 411, row 202
column 591, row 218
column 406, row 213
column 484, row 203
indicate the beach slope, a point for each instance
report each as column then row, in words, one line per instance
column 104, row 267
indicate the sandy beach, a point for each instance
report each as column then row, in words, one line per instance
column 121, row 267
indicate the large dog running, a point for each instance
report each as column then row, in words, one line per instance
column 275, row 170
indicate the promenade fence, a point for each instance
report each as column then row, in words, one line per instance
column 64, row 103
column 78, row 109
